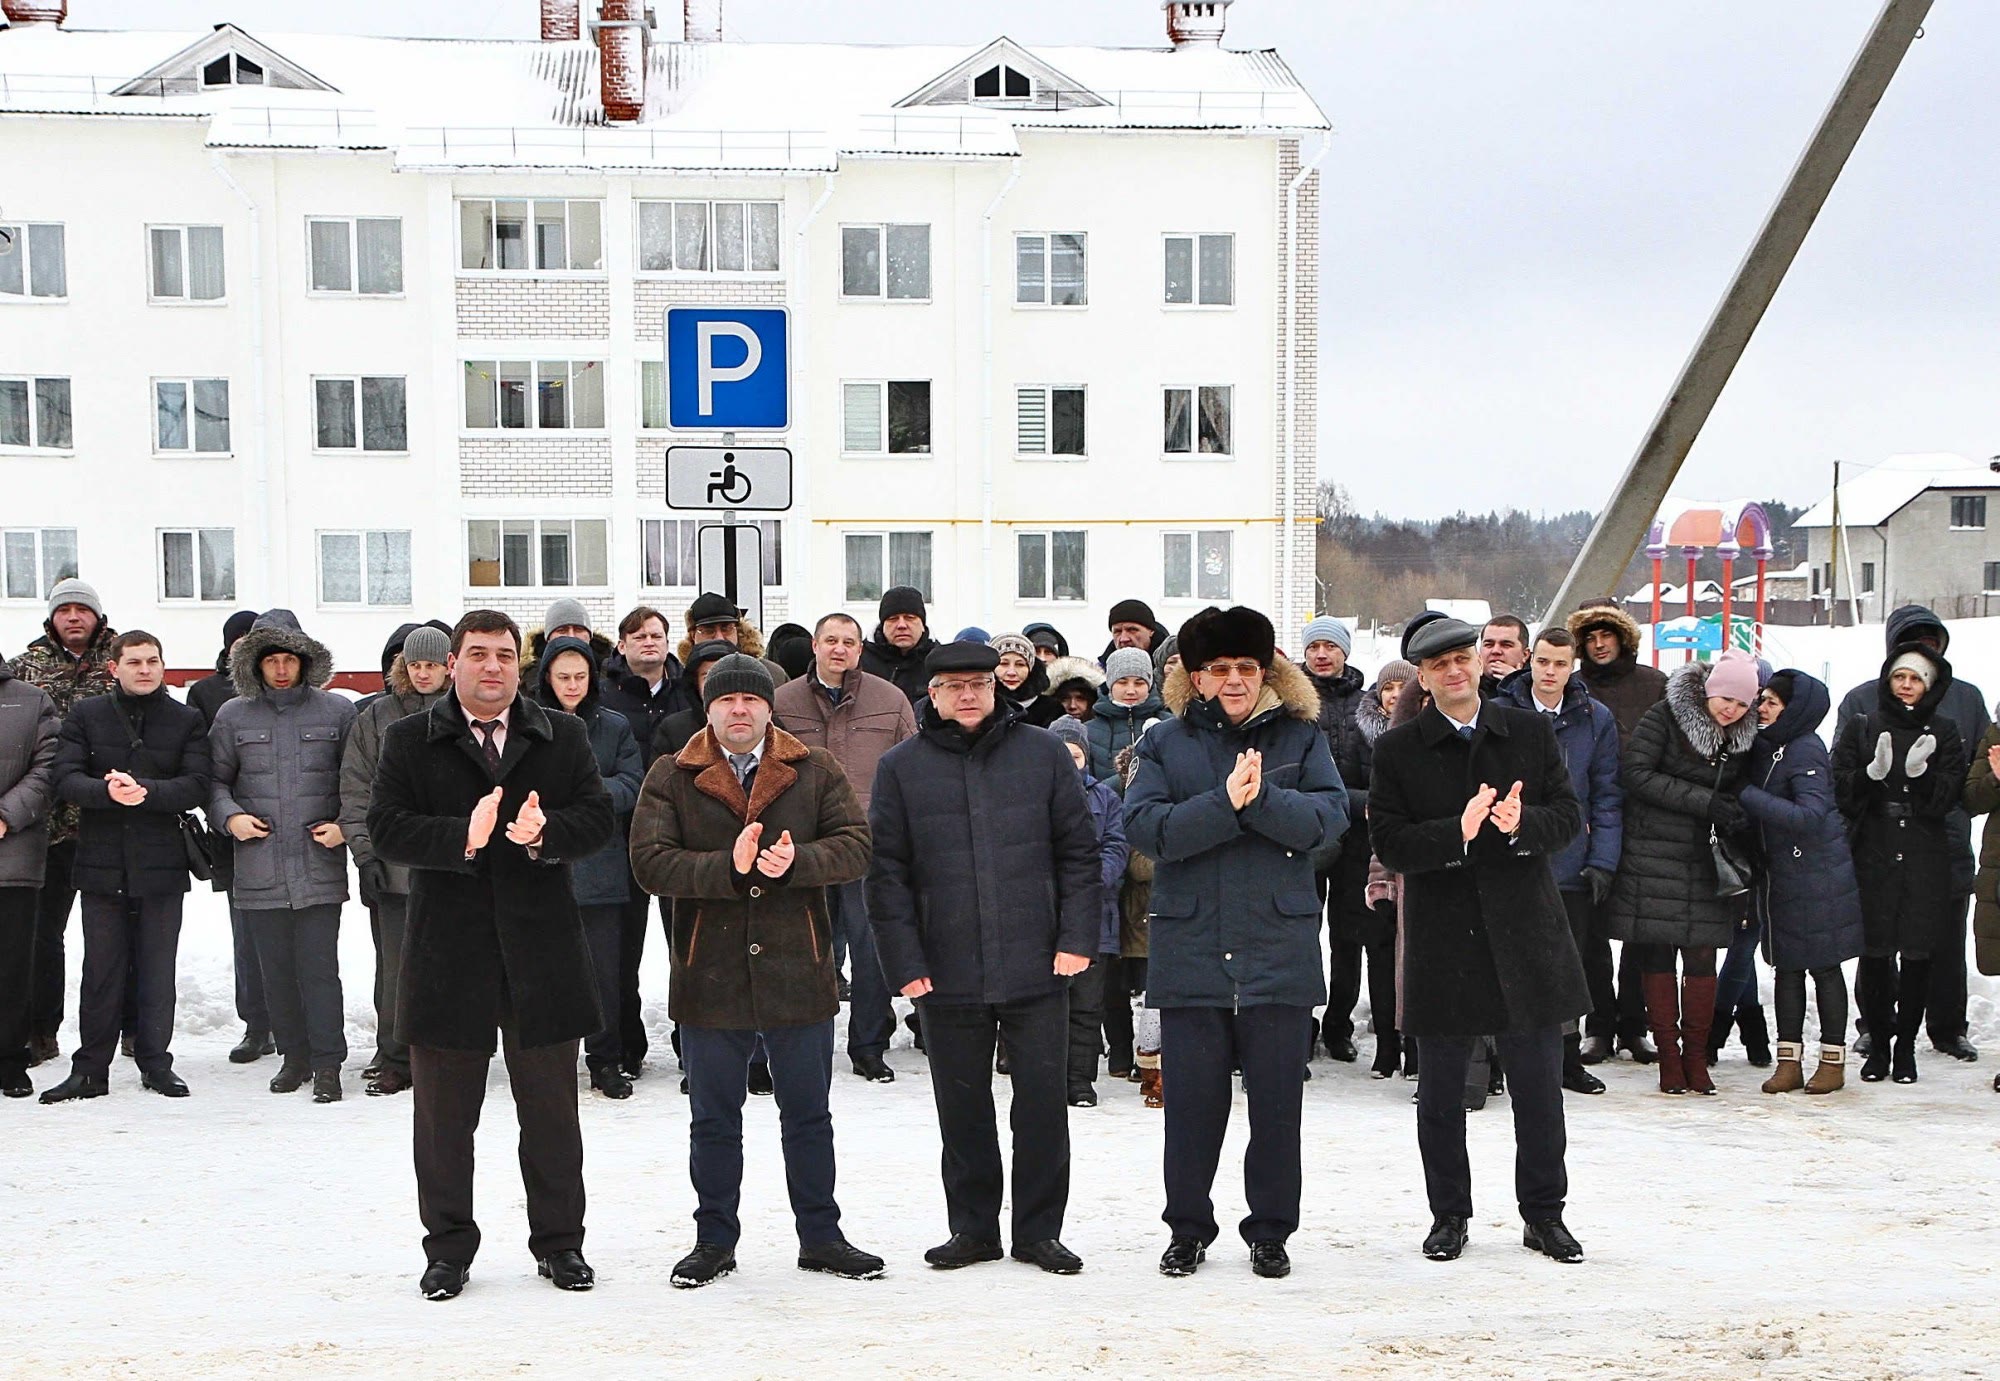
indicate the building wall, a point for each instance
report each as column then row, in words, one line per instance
column 1918, row 558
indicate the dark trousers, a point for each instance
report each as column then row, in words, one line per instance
column 633, row 918
column 1593, row 946
column 603, row 932
column 1944, row 1005
column 801, row 1059
column 1122, row 979
column 447, row 1090
column 870, row 1018
column 1736, row 982
column 1893, row 996
column 1344, row 989
column 251, row 1009
column 122, row 937
column 1086, row 1020
column 58, row 894
column 17, row 968
column 1829, row 987
column 959, row 1038
column 387, row 920
column 1198, row 1048
column 1534, row 1074
column 299, row 952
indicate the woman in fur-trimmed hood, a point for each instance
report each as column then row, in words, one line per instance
column 1074, row 674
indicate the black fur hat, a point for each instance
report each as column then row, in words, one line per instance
column 1237, row 632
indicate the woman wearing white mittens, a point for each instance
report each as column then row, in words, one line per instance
column 1897, row 774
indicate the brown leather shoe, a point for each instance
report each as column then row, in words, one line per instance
column 1788, row 1077
column 1832, row 1071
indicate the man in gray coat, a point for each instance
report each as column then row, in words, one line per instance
column 417, row 680
column 276, row 790
column 28, row 729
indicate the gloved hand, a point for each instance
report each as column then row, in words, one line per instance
column 374, row 880
column 1725, row 812
column 1919, row 760
column 1600, row 885
column 1878, row 767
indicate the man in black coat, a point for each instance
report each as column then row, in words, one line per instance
column 1468, row 802
column 494, row 939
column 902, row 643
column 133, row 761
column 985, row 898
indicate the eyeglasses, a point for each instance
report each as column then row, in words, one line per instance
column 1243, row 670
column 967, row 687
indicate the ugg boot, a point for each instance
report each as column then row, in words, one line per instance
column 1697, row 1012
column 1664, row 1017
column 1788, row 1077
column 1151, row 1085
column 1832, row 1071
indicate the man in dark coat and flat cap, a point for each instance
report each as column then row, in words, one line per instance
column 1468, row 803
column 485, row 797
column 985, row 899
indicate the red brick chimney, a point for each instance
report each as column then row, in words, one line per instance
column 621, row 58
column 561, row 19
column 701, row 21
column 35, row 11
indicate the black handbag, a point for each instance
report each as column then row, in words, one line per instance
column 1733, row 864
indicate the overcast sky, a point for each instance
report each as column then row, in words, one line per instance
column 1530, row 210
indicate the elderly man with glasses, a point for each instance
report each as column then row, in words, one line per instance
column 985, row 899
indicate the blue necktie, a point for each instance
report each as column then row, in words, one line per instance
column 1465, row 731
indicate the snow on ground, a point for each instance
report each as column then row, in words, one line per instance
column 241, row 1234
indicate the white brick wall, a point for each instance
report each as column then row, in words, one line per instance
column 539, row 308
column 652, row 296
column 1298, row 338
column 552, row 463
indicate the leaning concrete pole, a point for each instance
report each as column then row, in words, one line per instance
column 1633, row 505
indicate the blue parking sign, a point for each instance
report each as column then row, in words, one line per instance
column 729, row 369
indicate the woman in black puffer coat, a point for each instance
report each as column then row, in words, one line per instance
column 1683, row 767
column 1897, row 773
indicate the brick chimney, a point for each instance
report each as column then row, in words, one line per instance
column 1196, row 23
column 621, row 59
column 20, row 12
column 701, row 21
column 561, row 19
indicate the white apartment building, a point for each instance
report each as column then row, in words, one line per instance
column 371, row 327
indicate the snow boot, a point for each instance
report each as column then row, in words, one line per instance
column 1903, row 1059
column 1697, row 1011
column 291, row 1076
column 1664, row 1017
column 1388, row 1055
column 1756, row 1035
column 1832, row 1071
column 1788, row 1077
column 1151, row 1085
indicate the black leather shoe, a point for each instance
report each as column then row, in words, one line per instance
column 1270, row 1260
column 962, row 1250
column 443, row 1280
column 1083, row 1096
column 1958, row 1047
column 610, row 1081
column 874, row 1069
column 1446, row 1240
column 388, row 1083
column 759, row 1080
column 166, row 1083
column 1051, row 1255
column 1640, row 1049
column 1182, row 1257
column 14, row 1083
column 840, row 1258
column 290, row 1077
column 1596, row 1049
column 369, row 1071
column 1577, row 1079
column 326, row 1086
column 42, row 1049
column 567, row 1270
column 1342, row 1049
column 706, row 1264
column 1549, row 1237
column 254, row 1046
column 77, row 1086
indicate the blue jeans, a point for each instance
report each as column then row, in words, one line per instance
column 718, row 1062
column 1736, row 982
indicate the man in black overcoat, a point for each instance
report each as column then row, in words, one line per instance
column 485, row 796
column 1468, row 803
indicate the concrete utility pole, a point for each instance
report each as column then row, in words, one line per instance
column 1636, row 501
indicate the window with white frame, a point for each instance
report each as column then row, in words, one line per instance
column 186, row 262
column 885, row 417
column 523, row 553
column 878, row 561
column 364, row 413
column 33, row 559
column 1198, row 565
column 652, row 395
column 1050, row 270
column 369, row 568
column 889, row 262
column 1198, row 421
column 1201, row 271
column 1968, row 513
column 1048, row 421
column 667, row 552
column 534, row 394
column 35, row 413
column 708, row 236
column 356, row 255
column 197, row 564
column 191, row 415
column 1051, row 565
column 33, row 261
column 523, row 236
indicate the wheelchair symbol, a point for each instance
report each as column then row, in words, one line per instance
column 723, row 483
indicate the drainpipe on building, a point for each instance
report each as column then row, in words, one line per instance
column 986, row 394
column 1288, row 616
column 261, row 470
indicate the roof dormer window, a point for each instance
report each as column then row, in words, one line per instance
column 232, row 69
column 1003, row 83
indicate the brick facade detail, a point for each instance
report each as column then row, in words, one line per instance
column 652, row 296
column 538, row 308
column 1297, row 346
column 553, row 464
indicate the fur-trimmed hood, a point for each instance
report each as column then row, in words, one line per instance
column 1289, row 686
column 1687, row 699
column 1605, row 616
column 277, row 630
column 1082, row 669
column 1369, row 716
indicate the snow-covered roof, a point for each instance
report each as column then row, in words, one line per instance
column 1705, row 591
column 732, row 106
column 1876, row 495
column 1802, row 571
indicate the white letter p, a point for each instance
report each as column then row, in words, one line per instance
column 707, row 376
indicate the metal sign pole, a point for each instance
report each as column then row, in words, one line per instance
column 729, row 540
